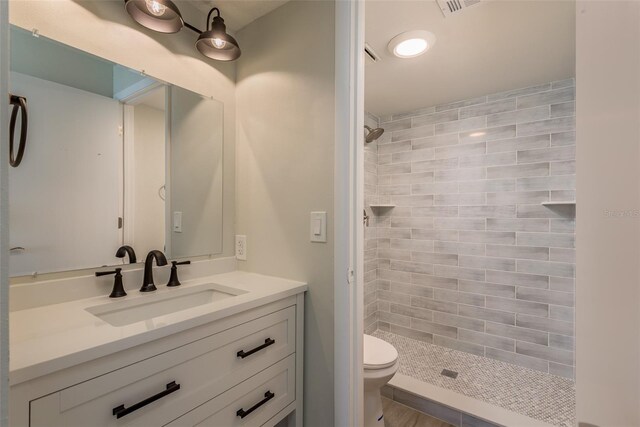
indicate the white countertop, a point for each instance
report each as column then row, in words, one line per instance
column 52, row 337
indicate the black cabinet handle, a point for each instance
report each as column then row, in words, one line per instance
column 267, row 397
column 266, row 344
column 121, row 411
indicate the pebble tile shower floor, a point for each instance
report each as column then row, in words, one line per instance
column 538, row 395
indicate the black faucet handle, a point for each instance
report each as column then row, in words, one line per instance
column 106, row 273
column 173, row 279
column 118, row 287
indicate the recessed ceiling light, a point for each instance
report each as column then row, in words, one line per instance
column 411, row 43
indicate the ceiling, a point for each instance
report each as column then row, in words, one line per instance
column 238, row 13
column 489, row 47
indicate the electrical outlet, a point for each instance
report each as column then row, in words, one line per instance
column 241, row 247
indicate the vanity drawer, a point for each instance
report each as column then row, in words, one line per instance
column 200, row 370
column 251, row 403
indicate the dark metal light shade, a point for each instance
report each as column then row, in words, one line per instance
column 217, row 44
column 158, row 15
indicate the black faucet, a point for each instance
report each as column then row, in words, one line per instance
column 147, row 284
column 118, row 288
column 127, row 250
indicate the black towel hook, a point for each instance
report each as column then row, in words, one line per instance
column 19, row 103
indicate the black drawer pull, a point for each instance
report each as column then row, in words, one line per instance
column 266, row 344
column 267, row 397
column 121, row 411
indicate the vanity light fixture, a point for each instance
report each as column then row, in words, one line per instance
column 165, row 17
column 215, row 43
column 157, row 15
column 411, row 43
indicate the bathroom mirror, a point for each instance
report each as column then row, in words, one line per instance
column 149, row 154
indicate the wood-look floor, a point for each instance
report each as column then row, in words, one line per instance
column 398, row 415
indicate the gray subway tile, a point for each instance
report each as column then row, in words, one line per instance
column 435, row 141
column 394, row 147
column 461, row 125
column 434, row 118
column 493, row 289
column 556, row 240
column 419, row 233
column 564, row 109
column 545, row 324
column 517, row 197
column 551, row 154
column 517, row 359
column 458, row 345
column 550, row 97
column 430, row 165
column 395, row 319
column 403, row 222
column 406, row 114
column 435, row 188
column 412, row 133
column 518, row 144
column 564, row 284
column 504, row 211
column 488, row 185
column 499, row 106
column 435, row 211
column 518, row 279
column 431, row 304
column 518, row 333
column 461, row 104
column 562, row 255
column 546, row 268
column 562, row 342
column 539, row 211
column 563, row 168
column 407, row 332
column 459, row 272
column 461, row 174
column 521, row 252
column 394, row 297
column 488, row 134
column 458, row 321
column 472, row 149
column 434, row 328
column 433, row 281
column 413, row 155
column 480, row 338
column 518, row 171
column 560, row 370
column 434, row 258
column 493, row 159
column 413, row 290
column 544, row 352
column 412, row 267
column 490, row 315
column 504, row 237
column 492, row 263
column 563, row 138
column 561, row 182
column 415, row 312
column 564, row 225
column 517, row 306
column 416, row 200
column 459, row 297
column 519, row 92
column 460, row 248
column 565, row 313
column 545, row 296
column 563, row 83
column 561, row 124
column 459, row 223
column 507, row 224
column 412, row 178
column 519, row 116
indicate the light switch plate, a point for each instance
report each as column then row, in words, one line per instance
column 318, row 227
column 241, row 247
column 177, row 222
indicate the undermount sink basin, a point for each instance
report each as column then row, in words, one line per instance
column 145, row 307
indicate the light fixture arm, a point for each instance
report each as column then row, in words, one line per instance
column 209, row 22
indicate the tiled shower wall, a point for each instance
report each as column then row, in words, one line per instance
column 370, row 235
column 469, row 258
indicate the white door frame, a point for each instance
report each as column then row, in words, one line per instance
column 349, row 204
column 4, row 213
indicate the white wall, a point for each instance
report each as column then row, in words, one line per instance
column 608, row 206
column 171, row 58
column 285, row 98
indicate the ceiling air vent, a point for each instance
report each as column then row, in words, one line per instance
column 450, row 7
column 370, row 53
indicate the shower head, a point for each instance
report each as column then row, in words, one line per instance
column 373, row 134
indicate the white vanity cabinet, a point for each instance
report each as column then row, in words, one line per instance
column 241, row 370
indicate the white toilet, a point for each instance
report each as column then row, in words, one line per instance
column 380, row 365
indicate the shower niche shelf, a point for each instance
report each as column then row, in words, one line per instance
column 382, row 206
column 560, row 203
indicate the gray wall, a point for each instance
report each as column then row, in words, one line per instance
column 286, row 138
column 468, row 258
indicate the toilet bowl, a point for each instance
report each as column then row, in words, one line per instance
column 380, row 365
